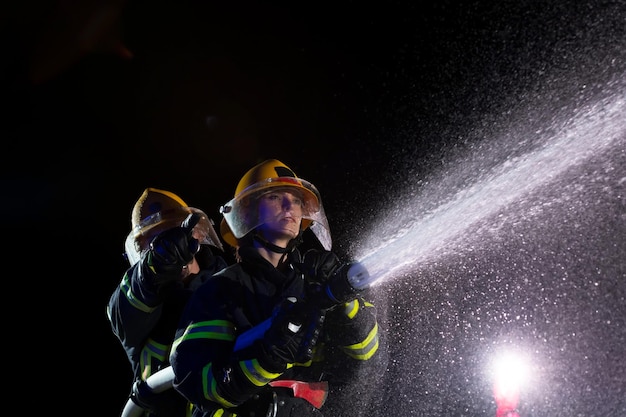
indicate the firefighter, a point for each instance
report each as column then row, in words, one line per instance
column 144, row 309
column 266, row 336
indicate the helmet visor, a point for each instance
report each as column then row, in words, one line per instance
column 241, row 213
column 140, row 237
column 204, row 230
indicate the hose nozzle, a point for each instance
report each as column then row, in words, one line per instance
column 343, row 285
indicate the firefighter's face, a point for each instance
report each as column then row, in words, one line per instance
column 280, row 213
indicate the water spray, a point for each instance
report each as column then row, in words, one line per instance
column 408, row 238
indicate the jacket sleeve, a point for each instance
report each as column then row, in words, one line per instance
column 353, row 329
column 208, row 372
column 136, row 307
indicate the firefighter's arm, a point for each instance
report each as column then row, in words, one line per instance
column 354, row 328
column 159, row 270
column 228, row 377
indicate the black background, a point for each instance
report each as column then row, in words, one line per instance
column 106, row 98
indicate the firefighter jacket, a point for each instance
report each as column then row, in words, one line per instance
column 221, row 381
column 144, row 317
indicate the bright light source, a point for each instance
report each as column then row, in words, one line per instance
column 510, row 373
column 510, row 369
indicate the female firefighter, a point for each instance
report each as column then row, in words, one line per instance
column 275, row 333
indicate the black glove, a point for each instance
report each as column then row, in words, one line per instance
column 327, row 279
column 319, row 265
column 174, row 248
column 293, row 333
column 166, row 403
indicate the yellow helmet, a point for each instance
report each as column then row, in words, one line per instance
column 159, row 210
column 272, row 173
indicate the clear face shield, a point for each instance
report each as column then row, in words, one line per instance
column 241, row 213
column 140, row 237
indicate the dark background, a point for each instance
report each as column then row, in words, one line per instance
column 105, row 98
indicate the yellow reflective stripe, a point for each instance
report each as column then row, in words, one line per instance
column 149, row 263
column 303, row 364
column 151, row 351
column 209, row 388
column 255, row 372
column 365, row 349
column 158, row 350
column 212, row 330
column 223, row 413
column 350, row 309
column 127, row 290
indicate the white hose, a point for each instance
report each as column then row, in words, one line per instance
column 164, row 379
column 157, row 382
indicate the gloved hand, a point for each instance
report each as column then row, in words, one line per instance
column 174, row 248
column 327, row 279
column 293, row 333
column 166, row 403
column 319, row 265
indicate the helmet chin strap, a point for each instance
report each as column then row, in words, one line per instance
column 293, row 243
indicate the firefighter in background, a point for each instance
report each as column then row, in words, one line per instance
column 167, row 263
column 311, row 330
